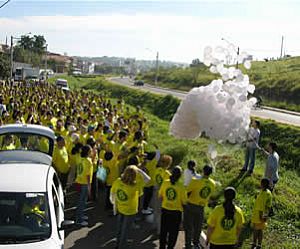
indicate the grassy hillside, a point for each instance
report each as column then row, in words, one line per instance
column 284, row 227
column 278, row 82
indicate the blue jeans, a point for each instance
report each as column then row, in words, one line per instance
column 124, row 224
column 250, row 156
column 83, row 197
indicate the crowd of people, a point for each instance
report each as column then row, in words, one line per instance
column 101, row 139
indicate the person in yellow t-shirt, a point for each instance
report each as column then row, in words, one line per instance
column 162, row 173
column 8, row 143
column 125, row 194
column 83, row 181
column 95, row 159
column 174, row 197
column 225, row 223
column 199, row 191
column 60, row 129
column 150, row 164
column 60, row 161
column 75, row 160
column 122, row 149
column 110, row 163
column 260, row 213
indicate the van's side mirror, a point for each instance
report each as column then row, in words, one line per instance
column 66, row 224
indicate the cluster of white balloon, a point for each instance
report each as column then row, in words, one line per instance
column 221, row 109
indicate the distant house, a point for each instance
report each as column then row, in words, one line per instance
column 4, row 48
column 60, row 63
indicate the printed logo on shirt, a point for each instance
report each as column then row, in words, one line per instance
column 159, row 179
column 205, row 192
column 171, row 194
column 79, row 169
column 227, row 224
column 122, row 196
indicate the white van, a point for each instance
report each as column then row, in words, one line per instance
column 62, row 83
column 31, row 195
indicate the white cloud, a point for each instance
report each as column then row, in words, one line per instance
column 175, row 37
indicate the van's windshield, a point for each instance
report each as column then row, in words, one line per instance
column 24, row 217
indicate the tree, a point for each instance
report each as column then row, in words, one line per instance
column 26, row 42
column 196, row 68
column 4, row 66
column 30, row 49
column 39, row 44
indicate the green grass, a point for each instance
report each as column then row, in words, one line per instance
column 284, row 227
column 277, row 82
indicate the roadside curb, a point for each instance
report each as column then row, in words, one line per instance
column 281, row 110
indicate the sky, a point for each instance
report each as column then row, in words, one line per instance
column 178, row 30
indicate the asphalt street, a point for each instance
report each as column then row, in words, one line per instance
column 102, row 228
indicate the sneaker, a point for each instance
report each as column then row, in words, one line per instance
column 197, row 247
column 151, row 209
column 85, row 218
column 82, row 224
column 136, row 226
column 146, row 212
column 253, row 246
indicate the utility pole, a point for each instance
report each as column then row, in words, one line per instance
column 281, row 47
column 156, row 69
column 46, row 65
column 237, row 59
column 11, row 56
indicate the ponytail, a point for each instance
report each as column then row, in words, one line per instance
column 228, row 205
column 176, row 174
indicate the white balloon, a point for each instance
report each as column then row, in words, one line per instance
column 207, row 50
column 213, row 69
column 207, row 62
column 251, row 88
column 243, row 98
column 247, row 64
column 225, row 77
column 214, row 154
column 220, row 109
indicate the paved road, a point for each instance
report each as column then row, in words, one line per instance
column 280, row 117
column 102, row 229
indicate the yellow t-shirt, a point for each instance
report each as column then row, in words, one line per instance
column 173, row 196
column 225, row 230
column 95, row 162
column 9, row 147
column 161, row 175
column 75, row 160
column 262, row 204
column 151, row 170
column 200, row 190
column 43, row 145
column 61, row 160
column 83, row 170
column 63, row 132
column 112, row 169
column 69, row 144
column 127, row 197
column 140, row 182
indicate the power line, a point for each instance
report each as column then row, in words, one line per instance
column 4, row 4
